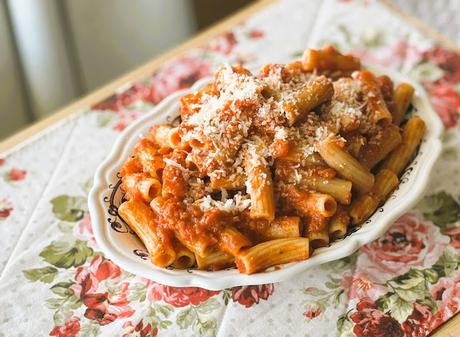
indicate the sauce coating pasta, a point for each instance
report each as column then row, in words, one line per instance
column 263, row 168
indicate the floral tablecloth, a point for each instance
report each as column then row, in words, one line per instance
column 55, row 281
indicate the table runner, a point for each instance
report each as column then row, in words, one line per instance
column 55, row 281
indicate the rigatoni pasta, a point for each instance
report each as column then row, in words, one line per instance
column 263, row 169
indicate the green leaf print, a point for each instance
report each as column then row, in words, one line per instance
column 87, row 186
column 430, row 302
column 441, row 208
column 372, row 38
column 89, row 328
column 64, row 307
column 400, row 309
column 426, row 72
column 186, row 317
column 196, row 317
column 137, row 292
column 448, row 263
column 104, row 118
column 206, row 328
column 226, row 296
column 208, row 306
column 63, row 254
column 69, row 208
column 410, row 286
column 345, row 326
column 45, row 274
column 62, row 289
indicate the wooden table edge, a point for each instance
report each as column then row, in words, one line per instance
column 446, row 330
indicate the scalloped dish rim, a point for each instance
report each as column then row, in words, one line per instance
column 372, row 230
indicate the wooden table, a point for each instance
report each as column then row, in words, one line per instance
column 451, row 328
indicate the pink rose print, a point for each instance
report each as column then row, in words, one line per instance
column 454, row 233
column 84, row 231
column 176, row 75
column 125, row 117
column 16, row 174
column 447, row 60
column 418, row 324
column 312, row 311
column 2, row 161
column 250, row 295
column 69, row 329
column 256, row 34
column 138, row 330
column 446, row 293
column 178, row 297
column 5, row 208
column 446, row 101
column 120, row 101
column 410, row 242
column 393, row 56
column 223, row 44
column 102, row 306
column 369, row 321
column 361, row 285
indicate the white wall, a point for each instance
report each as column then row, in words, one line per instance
column 12, row 107
column 41, row 42
column 113, row 36
column 69, row 47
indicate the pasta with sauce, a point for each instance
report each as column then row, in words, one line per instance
column 263, row 169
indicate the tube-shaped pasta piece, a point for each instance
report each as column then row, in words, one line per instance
column 355, row 143
column 296, row 154
column 193, row 241
column 131, row 165
column 311, row 203
column 174, row 138
column 385, row 182
column 316, row 231
column 271, row 253
column 402, row 96
column 312, row 94
column 174, row 182
column 387, row 88
column 318, row 239
column 280, row 148
column 282, row 227
column 412, row 135
column 329, row 59
column 261, row 192
column 149, row 157
column 339, row 223
column 231, row 240
column 141, row 219
column 216, row 260
column 345, row 164
column 339, row 189
column 160, row 135
column 374, row 98
column 362, row 208
column 184, row 257
column 142, row 185
column 386, row 140
column 233, row 182
column 149, row 188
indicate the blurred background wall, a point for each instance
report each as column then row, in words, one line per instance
column 54, row 51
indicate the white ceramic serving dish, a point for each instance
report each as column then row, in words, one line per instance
column 118, row 243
